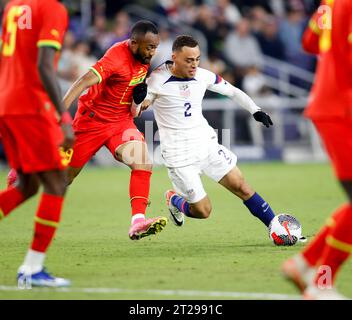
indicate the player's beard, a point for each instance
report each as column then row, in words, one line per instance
column 138, row 56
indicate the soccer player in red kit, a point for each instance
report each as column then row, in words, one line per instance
column 330, row 108
column 35, row 127
column 104, row 118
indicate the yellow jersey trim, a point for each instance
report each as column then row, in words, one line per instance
column 137, row 80
column 314, row 26
column 97, row 74
column 49, row 43
column 339, row 245
column 46, row 222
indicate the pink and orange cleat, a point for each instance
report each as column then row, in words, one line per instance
column 12, row 177
column 143, row 228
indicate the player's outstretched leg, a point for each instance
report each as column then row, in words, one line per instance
column 297, row 270
column 135, row 155
column 234, row 182
column 32, row 271
column 24, row 187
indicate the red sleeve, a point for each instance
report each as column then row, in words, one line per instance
column 111, row 63
column 53, row 25
column 310, row 39
column 350, row 33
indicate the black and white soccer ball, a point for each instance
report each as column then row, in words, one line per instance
column 285, row 230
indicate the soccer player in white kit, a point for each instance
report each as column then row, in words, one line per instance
column 189, row 146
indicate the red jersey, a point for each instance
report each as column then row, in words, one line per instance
column 118, row 72
column 28, row 25
column 330, row 35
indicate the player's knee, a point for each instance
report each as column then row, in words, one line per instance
column 56, row 187
column 143, row 166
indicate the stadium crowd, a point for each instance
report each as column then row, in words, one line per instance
column 238, row 34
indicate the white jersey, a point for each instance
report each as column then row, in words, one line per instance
column 185, row 135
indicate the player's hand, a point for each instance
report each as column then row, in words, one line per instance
column 140, row 92
column 145, row 105
column 263, row 117
column 67, row 130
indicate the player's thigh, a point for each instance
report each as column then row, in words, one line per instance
column 10, row 145
column 87, row 144
column 187, row 182
column 337, row 139
column 37, row 141
column 219, row 163
column 128, row 146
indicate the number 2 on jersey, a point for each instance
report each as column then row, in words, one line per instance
column 188, row 107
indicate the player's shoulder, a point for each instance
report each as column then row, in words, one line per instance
column 53, row 6
column 161, row 73
column 120, row 51
column 205, row 75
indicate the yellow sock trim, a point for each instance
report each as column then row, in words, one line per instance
column 330, row 222
column 46, row 222
column 138, row 197
column 339, row 245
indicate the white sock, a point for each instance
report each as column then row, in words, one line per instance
column 33, row 262
column 137, row 216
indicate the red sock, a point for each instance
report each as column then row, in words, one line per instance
column 139, row 190
column 46, row 221
column 312, row 252
column 9, row 200
column 338, row 244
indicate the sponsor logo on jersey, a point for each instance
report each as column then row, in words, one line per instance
column 138, row 79
column 184, row 90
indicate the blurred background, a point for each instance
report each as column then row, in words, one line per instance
column 254, row 44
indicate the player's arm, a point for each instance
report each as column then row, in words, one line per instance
column 225, row 88
column 143, row 97
column 83, row 83
column 47, row 73
column 53, row 23
column 311, row 35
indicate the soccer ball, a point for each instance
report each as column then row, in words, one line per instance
column 285, row 230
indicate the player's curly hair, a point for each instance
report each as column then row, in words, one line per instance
column 184, row 41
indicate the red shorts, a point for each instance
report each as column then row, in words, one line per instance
column 91, row 134
column 337, row 138
column 32, row 143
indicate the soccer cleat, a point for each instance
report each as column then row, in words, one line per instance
column 42, row 279
column 298, row 272
column 12, row 178
column 314, row 293
column 176, row 216
column 147, row 227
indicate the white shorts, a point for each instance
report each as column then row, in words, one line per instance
column 187, row 180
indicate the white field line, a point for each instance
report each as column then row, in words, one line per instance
column 178, row 293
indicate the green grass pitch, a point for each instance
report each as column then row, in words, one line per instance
column 229, row 252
